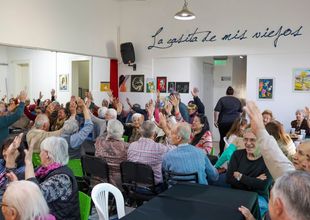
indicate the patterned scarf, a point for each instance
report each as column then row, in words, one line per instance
column 43, row 171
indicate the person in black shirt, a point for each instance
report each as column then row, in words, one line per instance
column 227, row 109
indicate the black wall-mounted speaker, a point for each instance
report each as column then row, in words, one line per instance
column 128, row 53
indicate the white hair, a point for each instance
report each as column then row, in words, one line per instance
column 115, row 129
column 148, row 129
column 183, row 130
column 40, row 120
column 301, row 111
column 293, row 189
column 27, row 198
column 136, row 116
column 112, row 112
column 57, row 148
column 102, row 111
column 70, row 126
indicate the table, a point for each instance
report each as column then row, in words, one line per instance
column 194, row 201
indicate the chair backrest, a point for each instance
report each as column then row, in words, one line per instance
column 95, row 168
column 137, row 175
column 226, row 141
column 172, row 178
column 85, row 205
column 76, row 167
column 125, row 137
column 100, row 197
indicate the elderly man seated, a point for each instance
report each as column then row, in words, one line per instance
column 71, row 132
column 289, row 199
column 187, row 158
column 39, row 132
column 147, row 151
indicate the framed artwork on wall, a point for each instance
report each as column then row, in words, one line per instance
column 301, row 79
column 63, row 82
column 104, row 86
column 265, row 88
column 137, row 83
column 171, row 87
column 162, row 84
column 182, row 87
column 124, row 83
column 150, row 85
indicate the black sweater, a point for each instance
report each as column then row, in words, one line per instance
column 250, row 169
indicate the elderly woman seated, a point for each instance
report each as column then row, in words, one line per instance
column 132, row 130
column 284, row 141
column 300, row 123
column 55, row 179
column 247, row 171
column 201, row 136
column 23, row 200
column 113, row 149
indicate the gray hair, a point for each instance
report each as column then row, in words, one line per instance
column 70, row 126
column 40, row 120
column 112, row 112
column 293, row 188
column 148, row 129
column 115, row 129
column 18, row 192
column 301, row 111
column 57, row 148
column 183, row 130
column 102, row 111
column 136, row 116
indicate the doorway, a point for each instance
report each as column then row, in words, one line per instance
column 21, row 75
column 80, row 78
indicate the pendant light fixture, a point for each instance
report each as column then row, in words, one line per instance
column 185, row 14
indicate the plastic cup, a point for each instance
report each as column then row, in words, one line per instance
column 292, row 130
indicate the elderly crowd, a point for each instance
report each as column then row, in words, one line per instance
column 167, row 135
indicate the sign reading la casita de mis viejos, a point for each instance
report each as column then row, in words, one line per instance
column 202, row 36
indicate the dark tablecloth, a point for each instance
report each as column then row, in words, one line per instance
column 193, row 201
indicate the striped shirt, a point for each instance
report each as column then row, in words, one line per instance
column 187, row 158
column 147, row 151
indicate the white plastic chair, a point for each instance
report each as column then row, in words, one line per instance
column 226, row 141
column 100, row 196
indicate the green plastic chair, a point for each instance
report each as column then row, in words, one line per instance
column 212, row 151
column 76, row 166
column 85, row 205
column 125, row 137
column 36, row 160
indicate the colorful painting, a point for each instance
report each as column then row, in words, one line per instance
column 265, row 88
column 301, row 79
column 162, row 84
column 63, row 82
column 104, row 86
column 182, row 87
column 150, row 85
column 124, row 83
column 137, row 83
column 171, row 87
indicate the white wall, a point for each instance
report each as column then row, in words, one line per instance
column 221, row 18
column 64, row 66
column 42, row 68
column 100, row 72
column 3, row 70
column 285, row 101
column 88, row 27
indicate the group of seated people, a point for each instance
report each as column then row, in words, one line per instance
column 167, row 135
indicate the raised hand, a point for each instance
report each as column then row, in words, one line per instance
column 255, row 116
column 195, row 92
column 174, row 101
column 22, row 96
column 40, row 95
